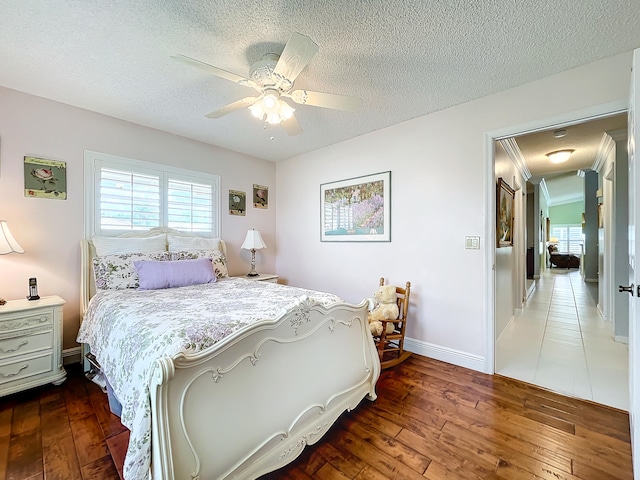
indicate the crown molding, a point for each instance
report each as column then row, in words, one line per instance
column 545, row 191
column 618, row 135
column 511, row 147
column 604, row 149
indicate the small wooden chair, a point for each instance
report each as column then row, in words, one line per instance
column 391, row 345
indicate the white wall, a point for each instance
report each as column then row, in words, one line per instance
column 507, row 257
column 440, row 192
column 50, row 230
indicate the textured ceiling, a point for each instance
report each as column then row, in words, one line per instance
column 563, row 184
column 404, row 58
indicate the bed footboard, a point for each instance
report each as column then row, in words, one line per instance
column 253, row 404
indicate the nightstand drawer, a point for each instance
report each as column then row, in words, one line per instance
column 30, row 344
column 11, row 347
column 16, row 370
column 18, row 322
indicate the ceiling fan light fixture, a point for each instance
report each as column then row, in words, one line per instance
column 270, row 101
column 559, row 156
column 286, row 110
column 257, row 110
column 273, row 118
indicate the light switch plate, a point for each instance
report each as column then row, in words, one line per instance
column 472, row 243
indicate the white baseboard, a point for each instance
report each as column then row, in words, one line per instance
column 444, row 354
column 71, row 355
column 506, row 327
column 621, row 339
column 530, row 290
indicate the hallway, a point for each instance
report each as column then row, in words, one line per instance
column 559, row 341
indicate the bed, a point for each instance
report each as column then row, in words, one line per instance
column 236, row 398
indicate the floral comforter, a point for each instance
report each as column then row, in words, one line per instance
column 128, row 329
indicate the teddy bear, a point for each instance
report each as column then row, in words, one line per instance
column 386, row 309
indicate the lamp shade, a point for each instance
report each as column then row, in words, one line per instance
column 253, row 241
column 8, row 244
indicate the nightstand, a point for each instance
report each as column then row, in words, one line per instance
column 31, row 344
column 263, row 277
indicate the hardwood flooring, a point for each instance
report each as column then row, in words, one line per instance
column 431, row 420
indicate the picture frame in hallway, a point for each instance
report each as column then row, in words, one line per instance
column 505, row 196
column 356, row 209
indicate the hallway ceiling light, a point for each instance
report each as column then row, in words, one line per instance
column 559, row 156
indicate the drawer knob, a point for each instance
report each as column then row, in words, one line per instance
column 7, row 375
column 22, row 344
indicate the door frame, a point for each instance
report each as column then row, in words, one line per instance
column 555, row 121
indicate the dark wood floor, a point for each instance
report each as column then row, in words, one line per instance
column 431, row 420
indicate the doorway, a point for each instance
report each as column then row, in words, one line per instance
column 561, row 339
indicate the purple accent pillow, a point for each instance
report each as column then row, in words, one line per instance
column 170, row 274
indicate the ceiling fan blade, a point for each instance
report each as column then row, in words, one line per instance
column 297, row 53
column 291, row 126
column 218, row 72
column 232, row 107
column 326, row 100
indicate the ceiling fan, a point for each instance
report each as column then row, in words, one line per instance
column 272, row 77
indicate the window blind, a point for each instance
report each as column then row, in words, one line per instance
column 570, row 238
column 129, row 200
column 189, row 206
column 124, row 195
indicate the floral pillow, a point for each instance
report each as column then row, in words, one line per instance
column 117, row 272
column 218, row 259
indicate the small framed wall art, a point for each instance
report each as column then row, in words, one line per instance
column 505, row 196
column 260, row 196
column 45, row 178
column 237, row 202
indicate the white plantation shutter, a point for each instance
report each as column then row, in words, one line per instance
column 189, row 206
column 124, row 195
column 128, row 200
column 570, row 238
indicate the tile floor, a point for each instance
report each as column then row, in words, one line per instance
column 559, row 341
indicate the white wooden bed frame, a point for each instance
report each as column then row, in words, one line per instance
column 251, row 404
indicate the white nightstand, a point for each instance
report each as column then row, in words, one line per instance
column 31, row 344
column 263, row 277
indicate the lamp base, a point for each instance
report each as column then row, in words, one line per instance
column 2, row 301
column 250, row 274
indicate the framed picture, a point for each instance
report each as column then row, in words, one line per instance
column 260, row 196
column 356, row 209
column 45, row 178
column 504, row 214
column 237, row 203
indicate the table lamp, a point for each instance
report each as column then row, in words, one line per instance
column 8, row 245
column 253, row 241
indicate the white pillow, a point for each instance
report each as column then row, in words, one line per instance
column 181, row 243
column 119, row 245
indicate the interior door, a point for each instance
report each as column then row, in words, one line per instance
column 634, row 273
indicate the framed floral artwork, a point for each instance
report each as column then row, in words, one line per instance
column 356, row 209
column 237, row 203
column 45, row 178
column 260, row 196
column 504, row 214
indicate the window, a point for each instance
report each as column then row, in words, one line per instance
column 124, row 195
column 570, row 238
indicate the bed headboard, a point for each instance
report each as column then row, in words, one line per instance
column 87, row 281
